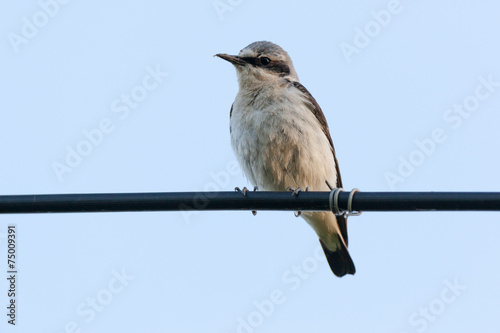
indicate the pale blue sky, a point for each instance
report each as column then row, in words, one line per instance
column 411, row 91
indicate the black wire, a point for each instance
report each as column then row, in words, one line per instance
column 304, row 201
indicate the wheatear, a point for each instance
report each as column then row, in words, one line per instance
column 281, row 139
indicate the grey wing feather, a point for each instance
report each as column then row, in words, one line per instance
column 230, row 115
column 318, row 113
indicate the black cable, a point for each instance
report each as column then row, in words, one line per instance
column 260, row 200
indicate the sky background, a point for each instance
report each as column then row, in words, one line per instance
column 411, row 91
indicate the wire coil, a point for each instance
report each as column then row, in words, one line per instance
column 334, row 202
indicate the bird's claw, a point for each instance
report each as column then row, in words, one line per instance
column 295, row 192
column 244, row 191
column 254, row 212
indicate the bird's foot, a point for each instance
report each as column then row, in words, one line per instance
column 244, row 191
column 295, row 192
column 254, row 212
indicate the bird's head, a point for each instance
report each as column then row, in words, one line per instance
column 260, row 63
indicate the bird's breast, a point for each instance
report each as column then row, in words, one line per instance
column 279, row 142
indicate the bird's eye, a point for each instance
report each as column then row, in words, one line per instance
column 265, row 61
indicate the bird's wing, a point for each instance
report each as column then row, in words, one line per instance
column 230, row 115
column 318, row 113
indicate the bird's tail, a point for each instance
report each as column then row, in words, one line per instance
column 339, row 260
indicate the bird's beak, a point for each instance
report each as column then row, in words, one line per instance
column 235, row 60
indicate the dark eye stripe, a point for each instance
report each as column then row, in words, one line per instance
column 251, row 60
column 276, row 66
column 279, row 67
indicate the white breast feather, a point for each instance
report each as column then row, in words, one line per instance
column 280, row 143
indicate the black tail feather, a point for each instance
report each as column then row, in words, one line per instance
column 340, row 261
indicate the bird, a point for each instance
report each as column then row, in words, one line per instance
column 282, row 141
